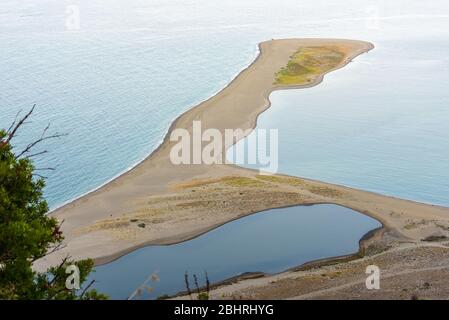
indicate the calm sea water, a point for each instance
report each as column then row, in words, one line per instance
column 380, row 124
column 116, row 84
column 250, row 244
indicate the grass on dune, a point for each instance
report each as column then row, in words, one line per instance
column 308, row 62
column 230, row 181
column 242, row 182
column 283, row 180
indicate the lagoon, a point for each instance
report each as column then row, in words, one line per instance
column 270, row 241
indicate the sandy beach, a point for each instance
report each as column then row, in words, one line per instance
column 179, row 202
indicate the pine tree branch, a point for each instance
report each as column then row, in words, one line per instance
column 18, row 125
column 42, row 138
column 87, row 288
column 14, row 122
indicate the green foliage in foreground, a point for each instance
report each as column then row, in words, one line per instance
column 27, row 234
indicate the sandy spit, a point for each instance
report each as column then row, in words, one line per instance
column 98, row 226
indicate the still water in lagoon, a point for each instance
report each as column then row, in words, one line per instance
column 270, row 241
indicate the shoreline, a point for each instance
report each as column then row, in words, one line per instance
column 168, row 242
column 173, row 123
column 133, row 193
column 167, row 132
column 364, row 240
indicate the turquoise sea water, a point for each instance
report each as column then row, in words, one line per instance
column 380, row 124
column 116, row 84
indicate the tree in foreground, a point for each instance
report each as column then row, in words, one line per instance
column 27, row 233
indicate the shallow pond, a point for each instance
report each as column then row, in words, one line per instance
column 270, row 241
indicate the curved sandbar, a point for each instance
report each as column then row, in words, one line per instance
column 180, row 202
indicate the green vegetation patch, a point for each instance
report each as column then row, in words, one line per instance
column 325, row 191
column 242, row 182
column 283, row 180
column 307, row 63
column 414, row 224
